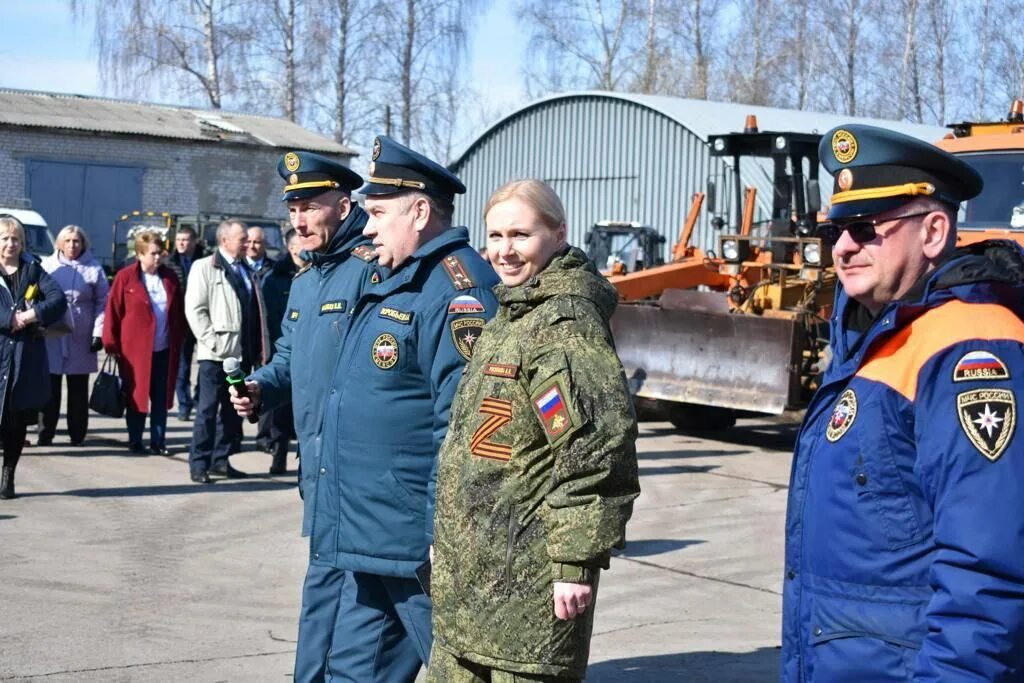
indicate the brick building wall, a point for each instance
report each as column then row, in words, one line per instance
column 179, row 177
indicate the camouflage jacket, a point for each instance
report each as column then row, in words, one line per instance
column 537, row 475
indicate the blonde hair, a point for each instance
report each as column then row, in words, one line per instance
column 148, row 237
column 12, row 224
column 66, row 232
column 536, row 194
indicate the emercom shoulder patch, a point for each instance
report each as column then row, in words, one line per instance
column 988, row 418
column 465, row 333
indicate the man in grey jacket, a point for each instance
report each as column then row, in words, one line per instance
column 224, row 310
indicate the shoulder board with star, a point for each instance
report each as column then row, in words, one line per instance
column 457, row 272
column 302, row 270
column 364, row 253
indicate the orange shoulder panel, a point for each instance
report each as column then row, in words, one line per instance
column 898, row 362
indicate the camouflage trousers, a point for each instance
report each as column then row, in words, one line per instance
column 447, row 668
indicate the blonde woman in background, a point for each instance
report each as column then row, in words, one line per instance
column 85, row 287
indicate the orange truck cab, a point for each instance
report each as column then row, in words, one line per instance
column 996, row 150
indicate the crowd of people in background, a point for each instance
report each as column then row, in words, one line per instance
column 235, row 295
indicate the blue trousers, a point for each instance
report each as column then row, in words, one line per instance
column 183, row 383
column 361, row 628
column 157, row 406
column 213, row 439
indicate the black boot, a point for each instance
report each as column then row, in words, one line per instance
column 7, row 482
column 278, row 464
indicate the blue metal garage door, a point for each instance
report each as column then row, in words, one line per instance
column 89, row 195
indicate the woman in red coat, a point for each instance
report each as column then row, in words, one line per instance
column 144, row 328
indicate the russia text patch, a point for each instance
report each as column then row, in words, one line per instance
column 979, row 365
column 465, row 304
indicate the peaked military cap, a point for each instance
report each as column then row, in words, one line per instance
column 877, row 170
column 307, row 175
column 396, row 168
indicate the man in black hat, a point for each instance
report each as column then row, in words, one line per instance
column 401, row 359
column 328, row 227
column 904, row 527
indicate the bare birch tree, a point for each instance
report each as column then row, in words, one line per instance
column 583, row 43
column 187, row 46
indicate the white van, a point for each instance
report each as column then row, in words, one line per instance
column 37, row 235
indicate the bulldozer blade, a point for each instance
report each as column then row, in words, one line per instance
column 743, row 362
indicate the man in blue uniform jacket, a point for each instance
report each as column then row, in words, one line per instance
column 905, row 527
column 329, row 226
column 413, row 330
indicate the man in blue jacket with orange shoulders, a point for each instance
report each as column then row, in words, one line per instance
column 905, row 528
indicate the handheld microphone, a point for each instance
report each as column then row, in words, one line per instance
column 235, row 377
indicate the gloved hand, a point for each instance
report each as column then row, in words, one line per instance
column 96, row 344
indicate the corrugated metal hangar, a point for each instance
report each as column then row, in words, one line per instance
column 625, row 157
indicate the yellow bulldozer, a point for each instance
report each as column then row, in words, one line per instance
column 744, row 327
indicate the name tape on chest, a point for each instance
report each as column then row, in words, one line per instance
column 465, row 304
column 503, row 370
column 404, row 317
column 457, row 272
column 333, row 307
column 465, row 333
column 843, row 415
column 988, row 418
column 384, row 351
column 980, row 365
column 497, row 413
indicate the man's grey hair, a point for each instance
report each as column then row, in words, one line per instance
column 222, row 229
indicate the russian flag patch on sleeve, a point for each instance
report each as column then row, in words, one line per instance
column 553, row 411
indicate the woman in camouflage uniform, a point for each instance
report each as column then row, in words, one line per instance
column 538, row 473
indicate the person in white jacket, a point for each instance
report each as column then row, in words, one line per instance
column 224, row 310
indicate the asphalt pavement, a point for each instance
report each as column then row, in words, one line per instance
column 116, row 567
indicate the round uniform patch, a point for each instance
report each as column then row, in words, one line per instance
column 291, row 161
column 844, row 146
column 376, row 149
column 385, row 351
column 843, row 416
column 845, row 179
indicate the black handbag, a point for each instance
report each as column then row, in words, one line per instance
column 107, row 397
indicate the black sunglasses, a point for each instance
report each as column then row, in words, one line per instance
column 861, row 230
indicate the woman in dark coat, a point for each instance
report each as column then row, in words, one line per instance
column 144, row 327
column 29, row 298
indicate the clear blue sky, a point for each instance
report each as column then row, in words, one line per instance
column 44, row 48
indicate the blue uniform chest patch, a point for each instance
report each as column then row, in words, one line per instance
column 843, row 416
